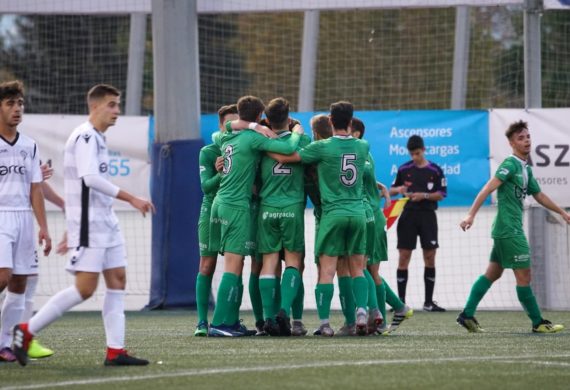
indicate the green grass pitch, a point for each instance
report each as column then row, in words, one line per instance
column 428, row 351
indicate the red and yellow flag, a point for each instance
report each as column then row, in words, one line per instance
column 393, row 212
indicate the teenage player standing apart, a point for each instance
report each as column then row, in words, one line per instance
column 424, row 183
column 230, row 230
column 342, row 229
column 20, row 193
column 513, row 181
column 210, row 181
column 92, row 231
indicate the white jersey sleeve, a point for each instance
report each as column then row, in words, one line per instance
column 86, row 155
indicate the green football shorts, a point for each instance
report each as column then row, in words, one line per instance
column 370, row 230
column 204, row 230
column 281, row 228
column 230, row 230
column 341, row 235
column 512, row 252
column 380, row 239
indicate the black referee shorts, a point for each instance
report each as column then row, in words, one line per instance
column 414, row 223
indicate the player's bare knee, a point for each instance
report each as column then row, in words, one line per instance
column 523, row 276
column 5, row 274
column 207, row 266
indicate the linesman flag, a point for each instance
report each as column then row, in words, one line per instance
column 393, row 212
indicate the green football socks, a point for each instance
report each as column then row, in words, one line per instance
column 347, row 299
column 203, row 290
column 372, row 298
column 323, row 296
column 289, row 286
column 478, row 291
column 528, row 302
column 360, row 291
column 299, row 302
column 226, row 297
column 391, row 298
column 268, row 290
column 255, row 297
column 381, row 298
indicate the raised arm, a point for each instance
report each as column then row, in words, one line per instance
column 487, row 190
column 545, row 201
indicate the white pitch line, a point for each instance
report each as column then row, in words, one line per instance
column 237, row 370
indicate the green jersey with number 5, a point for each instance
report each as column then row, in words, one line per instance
column 282, row 184
column 340, row 166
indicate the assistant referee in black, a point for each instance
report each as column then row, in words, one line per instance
column 424, row 183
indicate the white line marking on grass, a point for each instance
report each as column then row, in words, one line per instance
column 237, row 370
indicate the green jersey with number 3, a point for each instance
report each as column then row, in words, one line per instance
column 518, row 182
column 242, row 151
column 340, row 167
column 282, row 184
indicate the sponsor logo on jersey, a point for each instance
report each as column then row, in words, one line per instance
column 219, row 220
column 3, row 150
column 277, row 215
column 86, row 137
column 16, row 169
column 103, row 167
column 202, row 168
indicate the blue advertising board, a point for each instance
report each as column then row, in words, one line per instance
column 458, row 141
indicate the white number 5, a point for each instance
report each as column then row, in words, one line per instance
column 348, row 170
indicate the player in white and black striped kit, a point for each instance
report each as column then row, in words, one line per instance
column 93, row 231
column 20, row 193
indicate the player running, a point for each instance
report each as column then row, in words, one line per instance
column 513, row 181
column 93, row 232
column 21, row 199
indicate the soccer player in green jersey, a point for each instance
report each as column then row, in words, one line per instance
column 377, row 249
column 230, row 217
column 513, row 181
column 209, row 181
column 340, row 165
column 281, row 225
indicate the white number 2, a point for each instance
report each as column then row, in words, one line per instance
column 281, row 169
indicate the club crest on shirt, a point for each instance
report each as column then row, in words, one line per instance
column 430, row 185
column 103, row 167
column 24, row 154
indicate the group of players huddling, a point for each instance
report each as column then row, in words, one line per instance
column 255, row 176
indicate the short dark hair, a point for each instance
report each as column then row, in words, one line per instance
column 11, row 89
column 415, row 142
column 341, row 114
column 227, row 110
column 321, row 126
column 249, row 108
column 516, row 128
column 277, row 113
column 99, row 91
column 358, row 125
